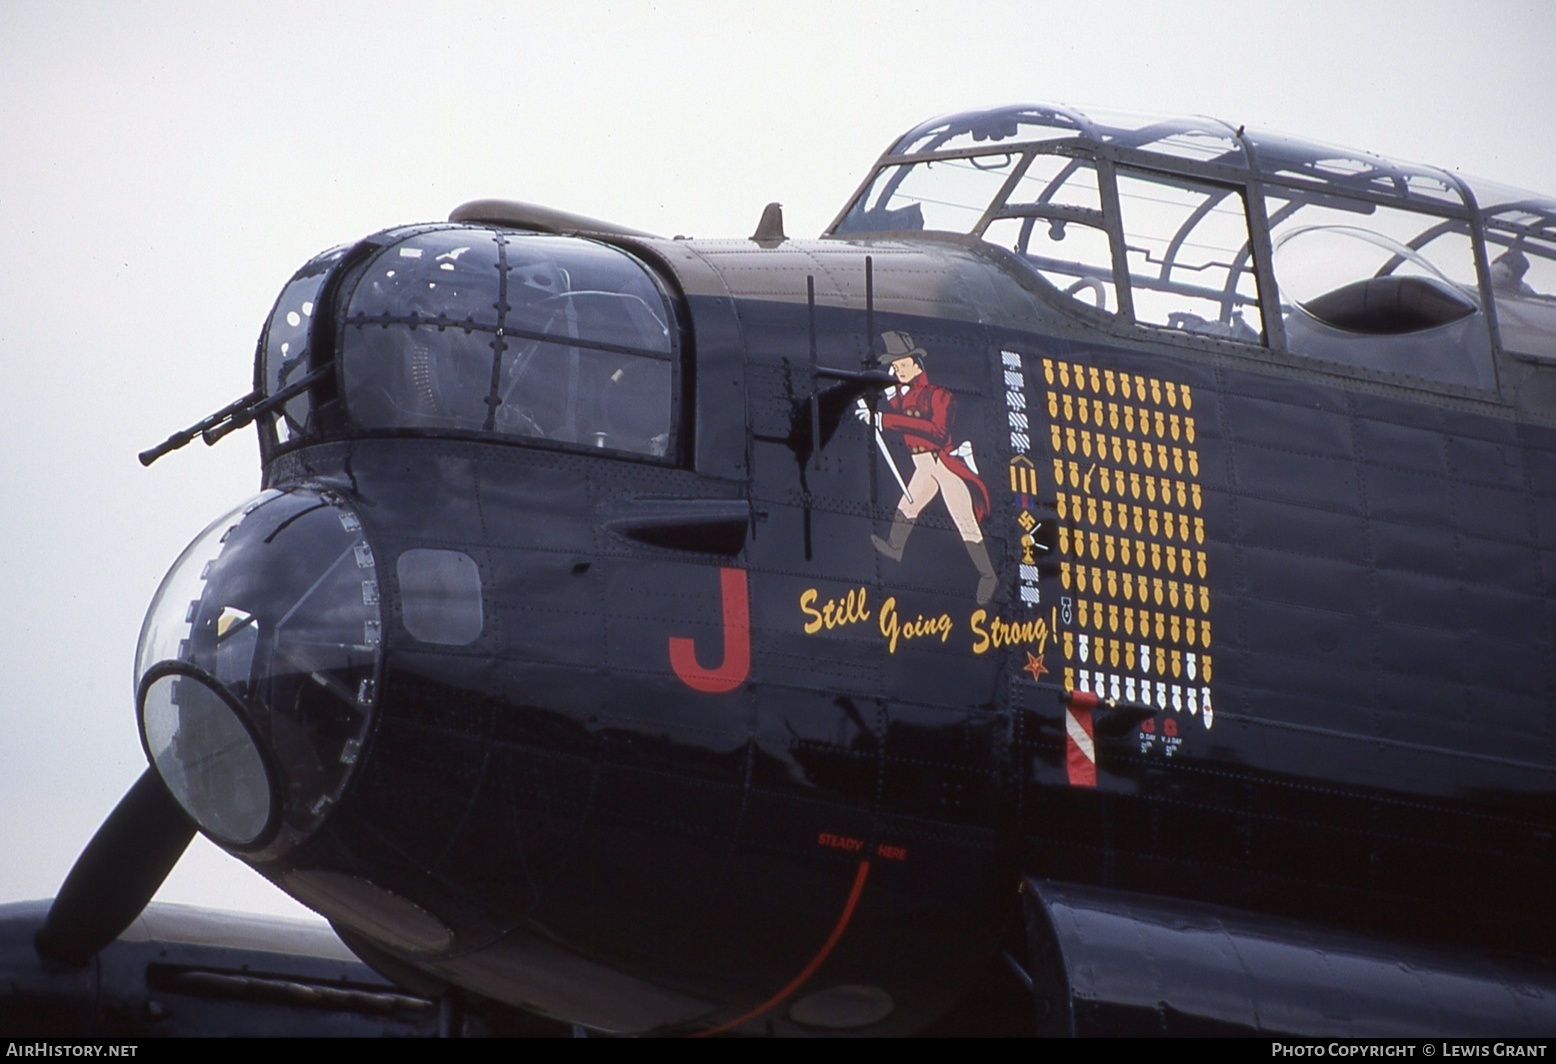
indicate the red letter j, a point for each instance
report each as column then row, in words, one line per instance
column 732, row 671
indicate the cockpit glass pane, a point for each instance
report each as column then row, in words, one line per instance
column 1351, row 170
column 1523, row 287
column 1188, row 253
column 991, row 128
column 284, row 345
column 1059, row 181
column 1075, row 258
column 1379, row 287
column 1199, row 139
column 521, row 336
column 948, row 195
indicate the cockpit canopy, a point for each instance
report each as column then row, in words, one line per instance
column 469, row 330
column 1190, row 224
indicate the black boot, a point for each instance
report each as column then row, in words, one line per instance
column 900, row 527
column 987, row 578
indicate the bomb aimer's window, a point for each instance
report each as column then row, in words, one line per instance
column 520, row 336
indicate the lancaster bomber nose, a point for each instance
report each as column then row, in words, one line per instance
column 256, row 673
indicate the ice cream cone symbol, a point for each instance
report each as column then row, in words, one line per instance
column 1069, row 645
column 1204, row 602
column 1064, row 374
column 1191, row 661
column 1161, row 625
column 1081, row 581
column 1118, row 449
column 1172, row 594
column 1139, row 514
column 1106, row 478
column 1062, row 505
column 1129, row 419
column 1188, row 397
column 1124, row 385
column 1161, row 457
column 1070, row 445
column 1147, row 455
column 1172, row 559
column 1109, row 545
column 1173, row 622
column 1172, row 393
column 1157, row 590
column 1154, row 523
column 1129, row 688
column 1113, row 652
column 1194, row 463
column 1086, row 443
column 1083, row 643
column 1064, row 573
column 1053, row 435
column 1112, row 617
column 1096, row 379
column 1134, row 483
column 1053, row 404
column 1048, row 371
column 1112, row 411
column 1200, row 556
column 1113, row 583
column 1177, row 664
column 1199, row 530
column 1174, row 425
column 1094, row 541
column 1188, row 429
column 1083, row 611
column 1129, row 620
column 1145, row 658
column 1069, row 678
column 1183, row 527
column 1150, row 488
column 1161, row 424
column 1194, row 494
column 1183, row 493
column 1075, row 474
column 1156, row 556
column 1091, row 509
column 1129, row 586
column 1156, row 391
column 1204, row 667
column 1111, row 381
column 1191, row 637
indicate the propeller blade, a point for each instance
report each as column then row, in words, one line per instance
column 117, row 873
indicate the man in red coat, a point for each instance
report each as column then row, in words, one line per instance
column 921, row 412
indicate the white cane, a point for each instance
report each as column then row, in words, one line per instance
column 880, row 442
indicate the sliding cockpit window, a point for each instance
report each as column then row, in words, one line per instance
column 522, row 337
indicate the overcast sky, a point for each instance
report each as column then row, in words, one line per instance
column 165, row 167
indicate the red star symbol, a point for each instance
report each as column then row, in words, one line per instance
column 1035, row 667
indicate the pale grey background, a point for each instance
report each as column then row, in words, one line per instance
column 164, row 167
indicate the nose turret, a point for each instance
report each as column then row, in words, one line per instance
column 258, row 665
